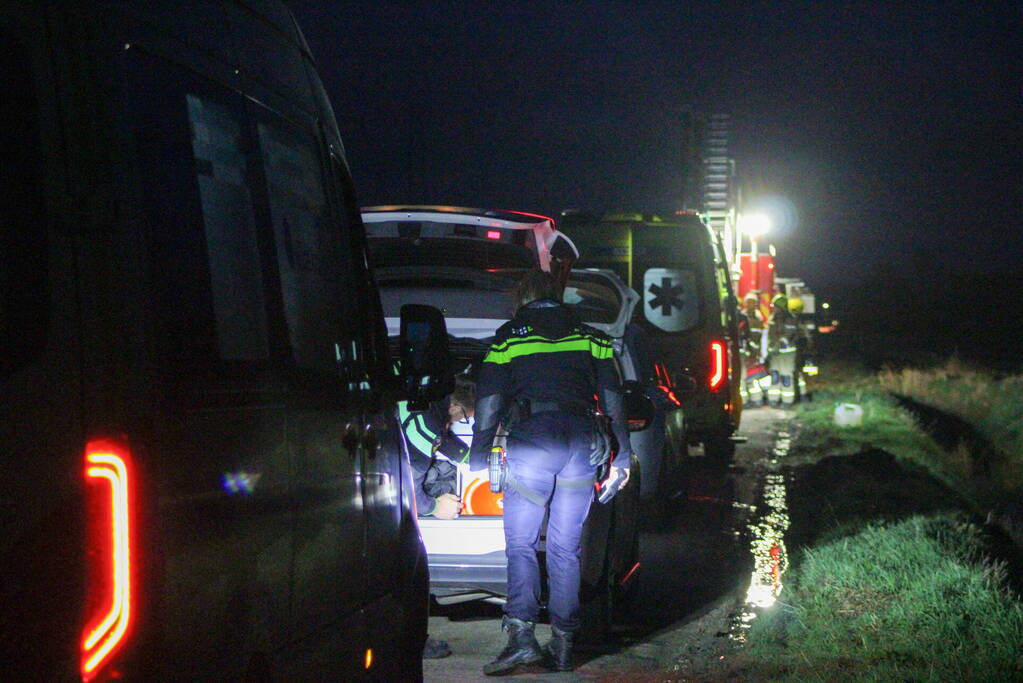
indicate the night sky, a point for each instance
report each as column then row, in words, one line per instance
column 893, row 130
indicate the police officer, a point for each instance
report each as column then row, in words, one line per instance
column 550, row 367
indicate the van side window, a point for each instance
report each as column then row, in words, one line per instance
column 309, row 247
column 230, row 229
column 722, row 276
column 194, row 164
column 24, row 294
column 250, row 262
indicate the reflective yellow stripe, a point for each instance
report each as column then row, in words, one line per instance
column 517, row 348
column 514, row 341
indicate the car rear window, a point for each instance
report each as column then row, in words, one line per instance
column 434, row 243
column 595, row 303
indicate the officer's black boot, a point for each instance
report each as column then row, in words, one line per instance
column 557, row 653
column 521, row 649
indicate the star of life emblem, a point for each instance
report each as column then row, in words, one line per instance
column 669, row 298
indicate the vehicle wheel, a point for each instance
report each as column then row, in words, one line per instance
column 598, row 612
column 414, row 628
column 719, row 449
column 670, row 488
column 672, row 481
column 623, row 595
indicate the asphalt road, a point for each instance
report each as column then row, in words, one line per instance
column 718, row 551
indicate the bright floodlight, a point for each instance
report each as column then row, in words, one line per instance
column 756, row 224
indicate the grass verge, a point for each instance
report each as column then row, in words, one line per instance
column 885, row 426
column 912, row 600
column 991, row 404
column 889, row 584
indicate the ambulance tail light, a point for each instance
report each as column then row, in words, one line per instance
column 109, row 554
column 718, row 365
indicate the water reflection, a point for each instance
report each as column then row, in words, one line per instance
column 767, row 545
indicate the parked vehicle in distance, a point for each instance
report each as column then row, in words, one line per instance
column 200, row 472
column 679, row 267
column 466, row 555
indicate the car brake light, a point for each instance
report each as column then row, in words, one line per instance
column 638, row 424
column 109, row 588
column 717, row 365
column 493, row 234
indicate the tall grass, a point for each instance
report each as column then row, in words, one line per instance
column 908, row 601
column 993, row 405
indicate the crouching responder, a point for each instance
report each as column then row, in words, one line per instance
column 433, row 452
column 551, row 368
column 782, row 330
column 752, row 323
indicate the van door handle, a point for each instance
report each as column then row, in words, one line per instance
column 350, row 440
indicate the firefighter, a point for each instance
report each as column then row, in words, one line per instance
column 433, row 452
column 753, row 323
column 550, row 368
column 782, row 331
column 804, row 347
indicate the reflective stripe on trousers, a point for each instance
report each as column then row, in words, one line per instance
column 783, row 368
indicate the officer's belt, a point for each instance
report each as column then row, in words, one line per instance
column 535, row 498
column 535, row 407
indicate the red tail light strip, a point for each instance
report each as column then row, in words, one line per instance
column 717, row 364
column 107, row 461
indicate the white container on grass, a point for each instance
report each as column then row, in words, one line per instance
column 848, row 415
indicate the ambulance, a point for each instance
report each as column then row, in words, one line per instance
column 680, row 269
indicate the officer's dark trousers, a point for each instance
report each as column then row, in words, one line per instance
column 548, row 460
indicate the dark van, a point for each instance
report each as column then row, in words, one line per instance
column 200, row 474
column 678, row 266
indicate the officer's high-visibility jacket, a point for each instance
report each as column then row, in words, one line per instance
column 433, row 452
column 545, row 355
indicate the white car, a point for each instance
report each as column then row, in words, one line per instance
column 425, row 262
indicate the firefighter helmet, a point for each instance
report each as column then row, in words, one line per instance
column 781, row 301
column 795, row 305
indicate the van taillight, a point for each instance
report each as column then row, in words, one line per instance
column 718, row 365
column 109, row 553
